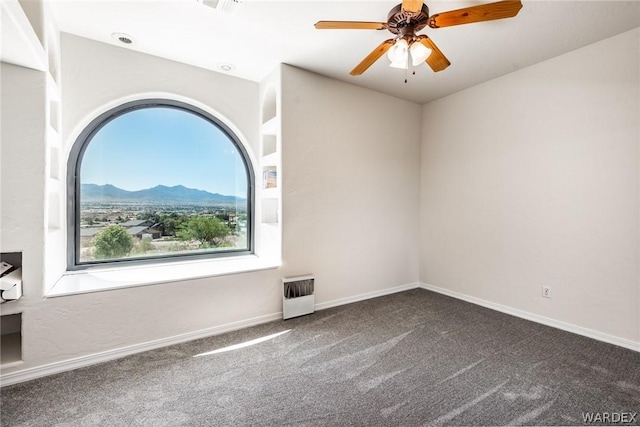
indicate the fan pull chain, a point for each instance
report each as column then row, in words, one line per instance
column 406, row 70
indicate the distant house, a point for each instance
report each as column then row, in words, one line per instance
column 137, row 223
column 139, row 231
column 136, row 228
column 88, row 233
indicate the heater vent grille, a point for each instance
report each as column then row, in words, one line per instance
column 298, row 288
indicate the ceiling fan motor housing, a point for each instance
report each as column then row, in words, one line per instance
column 403, row 22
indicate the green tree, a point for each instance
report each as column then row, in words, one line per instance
column 171, row 224
column 210, row 231
column 113, row 242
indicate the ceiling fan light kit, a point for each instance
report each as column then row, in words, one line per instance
column 419, row 53
column 398, row 54
column 411, row 16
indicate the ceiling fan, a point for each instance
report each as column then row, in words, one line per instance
column 411, row 16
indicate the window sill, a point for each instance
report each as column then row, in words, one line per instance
column 104, row 279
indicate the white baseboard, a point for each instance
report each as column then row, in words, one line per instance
column 92, row 359
column 579, row 330
column 368, row 295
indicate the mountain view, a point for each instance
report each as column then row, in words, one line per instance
column 93, row 193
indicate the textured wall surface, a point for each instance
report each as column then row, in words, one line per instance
column 532, row 179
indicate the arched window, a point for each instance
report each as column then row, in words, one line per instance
column 158, row 179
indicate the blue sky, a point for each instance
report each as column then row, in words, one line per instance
column 163, row 146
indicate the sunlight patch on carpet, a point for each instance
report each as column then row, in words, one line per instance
column 243, row 344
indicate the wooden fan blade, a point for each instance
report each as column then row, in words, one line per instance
column 372, row 57
column 483, row 12
column 350, row 25
column 437, row 61
column 412, row 5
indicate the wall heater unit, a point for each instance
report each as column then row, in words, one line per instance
column 298, row 296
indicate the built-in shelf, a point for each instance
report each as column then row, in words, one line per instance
column 11, row 324
column 11, row 345
column 271, row 126
column 11, row 339
column 53, row 48
column 54, row 115
column 53, row 185
column 269, row 145
column 269, row 104
column 20, row 43
column 270, row 160
column 53, row 137
column 270, row 210
column 270, row 193
column 13, row 258
column 54, row 164
column 54, row 216
column 269, row 177
column 53, row 74
column 56, row 233
column 53, row 90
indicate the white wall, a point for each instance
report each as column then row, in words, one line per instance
column 350, row 203
column 531, row 179
column 22, row 166
column 350, row 193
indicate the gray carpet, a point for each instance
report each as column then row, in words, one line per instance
column 412, row 358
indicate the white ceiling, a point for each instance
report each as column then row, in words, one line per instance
column 262, row 33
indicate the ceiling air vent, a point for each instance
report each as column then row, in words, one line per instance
column 225, row 6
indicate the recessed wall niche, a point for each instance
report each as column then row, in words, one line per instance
column 11, row 324
column 11, row 339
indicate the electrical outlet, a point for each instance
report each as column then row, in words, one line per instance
column 546, row 291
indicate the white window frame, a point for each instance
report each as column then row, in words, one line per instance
column 170, row 269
